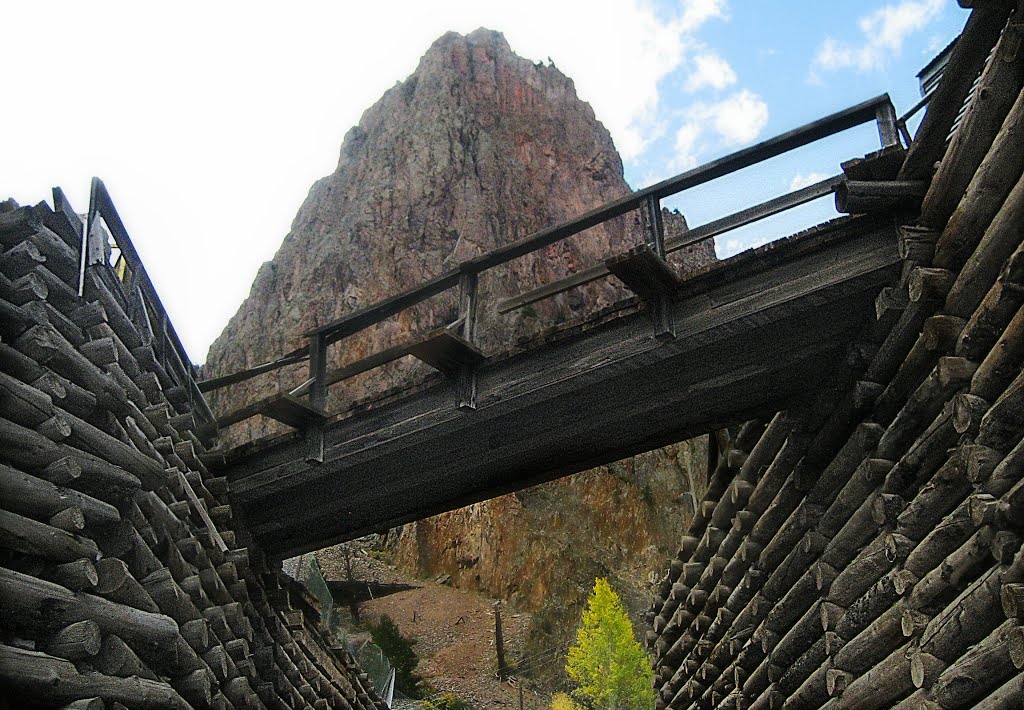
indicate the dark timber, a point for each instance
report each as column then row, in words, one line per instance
column 749, row 337
column 739, row 340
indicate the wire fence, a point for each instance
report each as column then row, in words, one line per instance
column 375, row 663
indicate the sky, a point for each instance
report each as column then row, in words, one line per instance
column 209, row 121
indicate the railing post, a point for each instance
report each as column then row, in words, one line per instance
column 885, row 117
column 139, row 314
column 653, row 226
column 162, row 341
column 93, row 246
column 317, row 396
column 466, row 383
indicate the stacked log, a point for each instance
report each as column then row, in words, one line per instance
column 871, row 554
column 122, row 579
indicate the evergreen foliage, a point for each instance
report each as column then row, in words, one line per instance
column 607, row 663
column 399, row 651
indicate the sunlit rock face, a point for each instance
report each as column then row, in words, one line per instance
column 477, row 148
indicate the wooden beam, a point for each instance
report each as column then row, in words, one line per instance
column 867, row 196
column 577, row 402
column 694, row 236
column 968, row 57
column 445, row 351
column 373, row 361
column 215, row 383
column 284, row 407
column 998, row 88
column 644, row 273
column 293, row 411
column 803, row 135
column 200, row 509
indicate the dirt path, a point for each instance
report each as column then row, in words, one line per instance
column 454, row 632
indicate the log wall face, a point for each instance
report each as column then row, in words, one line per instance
column 122, row 578
column 863, row 548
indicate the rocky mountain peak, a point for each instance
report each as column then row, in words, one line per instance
column 475, row 149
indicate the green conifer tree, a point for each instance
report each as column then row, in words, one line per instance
column 607, row 663
column 399, row 651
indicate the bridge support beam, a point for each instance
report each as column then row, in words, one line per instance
column 314, row 432
column 763, row 328
column 466, row 376
column 654, row 236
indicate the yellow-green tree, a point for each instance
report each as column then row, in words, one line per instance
column 561, row 701
column 607, row 663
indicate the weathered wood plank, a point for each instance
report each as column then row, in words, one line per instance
column 644, row 273
column 445, row 351
column 292, row 411
column 979, row 34
column 572, row 404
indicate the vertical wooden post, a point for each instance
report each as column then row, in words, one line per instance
column 654, row 236
column 466, row 384
column 90, row 236
column 317, row 396
column 653, row 225
column 161, row 350
column 520, row 684
column 499, row 643
column 139, row 314
column 885, row 117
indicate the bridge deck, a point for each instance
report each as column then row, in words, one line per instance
column 751, row 334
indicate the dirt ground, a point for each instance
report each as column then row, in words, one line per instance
column 454, row 631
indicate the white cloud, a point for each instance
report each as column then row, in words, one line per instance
column 617, row 53
column 221, row 119
column 734, row 245
column 884, row 32
column 800, row 180
column 710, row 70
column 686, row 146
column 935, row 43
column 697, row 12
column 737, row 119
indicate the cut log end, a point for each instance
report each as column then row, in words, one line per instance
column 924, row 669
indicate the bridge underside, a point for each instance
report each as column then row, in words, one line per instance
column 751, row 334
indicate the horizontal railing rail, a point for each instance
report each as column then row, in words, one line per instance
column 878, row 109
column 94, row 252
column 690, row 238
column 647, row 201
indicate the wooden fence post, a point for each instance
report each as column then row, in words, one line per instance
column 499, row 643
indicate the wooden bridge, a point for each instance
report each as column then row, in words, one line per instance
column 685, row 356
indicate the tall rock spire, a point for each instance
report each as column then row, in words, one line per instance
column 477, row 148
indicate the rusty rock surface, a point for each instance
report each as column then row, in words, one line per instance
column 477, row 148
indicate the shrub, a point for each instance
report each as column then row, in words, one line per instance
column 448, row 701
column 561, row 701
column 399, row 651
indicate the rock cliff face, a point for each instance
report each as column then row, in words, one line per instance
column 543, row 547
column 477, row 148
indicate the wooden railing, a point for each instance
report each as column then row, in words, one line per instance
column 656, row 247
column 135, row 290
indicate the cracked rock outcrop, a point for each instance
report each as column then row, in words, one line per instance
column 477, row 148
